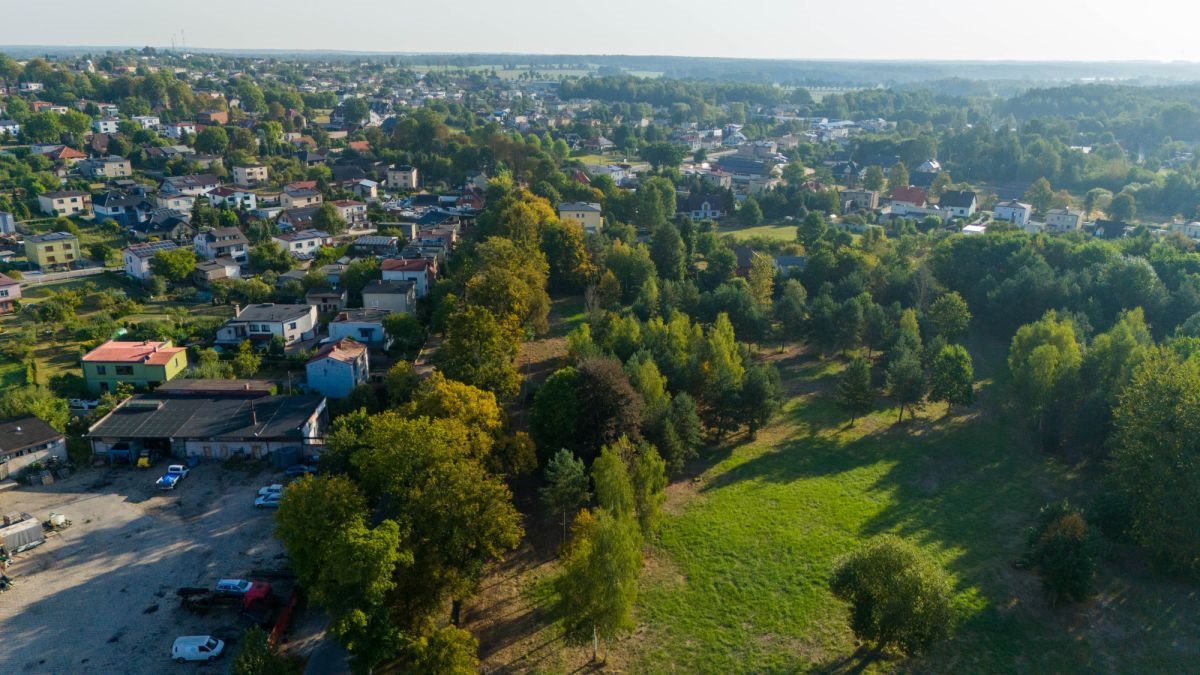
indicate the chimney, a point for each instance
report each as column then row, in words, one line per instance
column 253, row 415
column 237, row 310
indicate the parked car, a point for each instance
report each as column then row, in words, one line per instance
column 268, row 501
column 83, row 403
column 241, row 587
column 272, row 489
column 196, row 648
column 174, row 474
column 298, row 470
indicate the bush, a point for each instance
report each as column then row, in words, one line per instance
column 1063, row 549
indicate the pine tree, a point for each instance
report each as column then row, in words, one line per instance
column 854, row 394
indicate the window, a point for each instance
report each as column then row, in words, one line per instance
column 124, row 370
column 101, row 370
column 49, row 248
column 292, row 325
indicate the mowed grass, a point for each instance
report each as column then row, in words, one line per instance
column 777, row 231
column 738, row 581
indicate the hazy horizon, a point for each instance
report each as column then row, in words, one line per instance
column 769, row 29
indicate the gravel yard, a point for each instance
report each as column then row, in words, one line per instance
column 100, row 596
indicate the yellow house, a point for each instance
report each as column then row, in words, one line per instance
column 586, row 214
column 52, row 250
column 142, row 365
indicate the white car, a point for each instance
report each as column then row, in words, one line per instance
column 268, row 501
column 196, row 648
column 270, row 490
column 83, row 403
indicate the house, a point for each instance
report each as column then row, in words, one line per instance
column 1111, row 229
column 326, row 300
column 226, row 242
column 10, row 127
column 704, row 206
column 10, row 293
column 66, row 203
column 587, row 214
column 377, row 245
column 206, row 272
column 338, row 368
column 1064, row 220
column 142, row 365
column 194, row 185
column 51, row 250
column 363, row 325
column 234, row 198
column 137, row 257
column 147, row 121
column 62, row 154
column 787, row 264
column 971, row 230
column 123, row 208
column 8, row 223
column 393, row 296
column 296, row 198
column 220, row 117
column 366, row 189
column 303, row 243
column 854, row 200
column 26, row 440
column 262, row 322
column 111, row 166
column 354, row 213
column 166, row 224
column 312, row 158
column 255, row 174
column 212, row 426
column 178, row 130
column 106, row 125
column 1013, row 211
column 599, row 144
column 297, row 219
column 910, row 196
column 403, row 177
column 174, row 201
column 420, row 271
column 958, row 203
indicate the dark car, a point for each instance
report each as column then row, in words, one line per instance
column 298, row 470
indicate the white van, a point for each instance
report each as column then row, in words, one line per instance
column 196, row 648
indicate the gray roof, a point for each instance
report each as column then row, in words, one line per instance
column 271, row 312
column 361, row 314
column 957, row 198
column 49, row 236
column 391, row 286
column 579, row 206
column 376, row 240
column 209, row 417
column 18, row 434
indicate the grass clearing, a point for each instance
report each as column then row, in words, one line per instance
column 778, row 231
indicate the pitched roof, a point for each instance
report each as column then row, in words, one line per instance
column 24, row 432
column 579, row 206
column 150, row 249
column 272, row 312
column 910, row 193
column 302, row 235
column 957, row 199
column 361, row 314
column 6, row 280
column 149, row 353
column 405, row 265
column 344, row 350
column 389, row 287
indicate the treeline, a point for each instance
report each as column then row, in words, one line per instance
column 665, row 92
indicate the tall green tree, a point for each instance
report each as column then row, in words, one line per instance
column 952, row 376
column 874, row 179
column 854, row 393
column 1065, row 551
column 478, row 350
column 1040, row 195
column 668, row 252
column 897, row 176
column 614, row 485
column 906, row 380
column 566, row 487
column 174, row 265
column 1044, row 359
column 949, row 317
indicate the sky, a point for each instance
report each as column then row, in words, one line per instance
column 1024, row 30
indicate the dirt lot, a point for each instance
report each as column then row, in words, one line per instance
column 100, row 597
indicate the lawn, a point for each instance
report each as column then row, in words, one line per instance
column 777, row 231
column 738, row 579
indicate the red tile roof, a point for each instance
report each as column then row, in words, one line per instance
column 911, row 194
column 152, row 353
column 344, row 350
column 405, row 265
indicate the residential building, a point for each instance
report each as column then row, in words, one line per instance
column 106, row 125
column 403, row 177
column 137, row 257
column 297, row 219
column 910, row 196
column 250, row 175
column 10, row 127
column 147, row 121
column 852, row 200
column 587, row 214
column 8, row 223
column 1013, row 211
column 354, row 213
column 364, row 325
column 1064, row 220
column 420, row 271
column 61, row 155
column 125, row 209
column 26, row 440
column 194, row 185
column 234, row 198
column 958, row 203
column 228, row 242
column 376, row 244
column 212, row 426
column 178, row 130
column 326, row 300
column 106, row 167
column 299, row 198
column 393, row 296
column 262, row 322
column 207, row 271
column 51, row 250
column 338, row 368
column 704, row 206
column 10, row 293
column 213, row 117
column 66, row 203
column 303, row 243
column 366, row 189
column 142, row 365
column 174, row 201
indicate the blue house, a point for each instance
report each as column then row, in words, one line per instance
column 338, row 368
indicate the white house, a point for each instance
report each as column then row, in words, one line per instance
column 179, row 129
column 137, row 257
column 420, row 271
column 147, row 121
column 250, row 175
column 303, row 242
column 403, row 177
column 194, row 185
column 1013, row 211
column 10, row 127
column 233, row 197
column 1064, row 220
column 353, row 212
column 262, row 322
column 958, row 203
column 392, row 296
column 338, row 368
column 107, row 125
column 363, row 325
column 228, row 242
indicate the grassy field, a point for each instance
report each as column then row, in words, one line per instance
column 777, row 231
column 738, row 579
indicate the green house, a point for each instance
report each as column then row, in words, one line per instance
column 142, row 365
